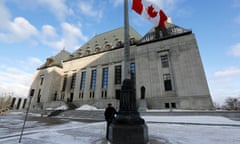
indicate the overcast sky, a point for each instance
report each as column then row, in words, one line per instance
column 33, row 30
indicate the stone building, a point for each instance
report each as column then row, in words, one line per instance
column 165, row 64
column 8, row 101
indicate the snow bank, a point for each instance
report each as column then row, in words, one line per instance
column 62, row 107
column 86, row 107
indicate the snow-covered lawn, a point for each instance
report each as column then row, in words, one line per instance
column 181, row 130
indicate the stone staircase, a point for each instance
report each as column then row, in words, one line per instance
column 71, row 106
column 83, row 114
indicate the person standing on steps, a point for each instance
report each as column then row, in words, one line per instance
column 109, row 114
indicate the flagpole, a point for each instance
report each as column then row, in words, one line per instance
column 122, row 126
column 126, row 43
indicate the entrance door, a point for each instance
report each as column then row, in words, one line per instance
column 143, row 92
column 71, row 98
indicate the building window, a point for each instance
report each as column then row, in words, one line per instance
column 24, row 103
column 41, row 80
column 19, row 103
column 93, row 79
column 164, row 61
column 83, row 79
column 71, row 97
column 13, row 102
column 118, row 74
column 173, row 105
column 132, row 41
column 167, row 105
column 132, row 68
column 105, row 78
column 104, row 94
column 64, row 83
column 73, row 82
column 132, row 71
column 117, row 94
column 167, row 82
column 81, row 95
column 119, row 44
column 39, row 96
column 92, row 94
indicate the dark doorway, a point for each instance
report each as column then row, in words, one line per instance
column 71, row 98
column 55, row 96
column 143, row 92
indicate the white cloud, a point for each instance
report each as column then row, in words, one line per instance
column 16, row 30
column 49, row 31
column 225, row 83
column 235, row 50
column 4, row 15
column 34, row 61
column 228, row 72
column 88, row 8
column 70, row 37
column 117, row 2
column 17, row 80
column 57, row 7
column 165, row 4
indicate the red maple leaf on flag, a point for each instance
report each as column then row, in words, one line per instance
column 151, row 12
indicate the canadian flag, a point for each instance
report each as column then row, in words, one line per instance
column 150, row 12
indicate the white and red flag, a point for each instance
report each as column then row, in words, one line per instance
column 150, row 12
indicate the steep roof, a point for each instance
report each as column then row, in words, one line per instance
column 106, row 41
column 56, row 60
column 157, row 33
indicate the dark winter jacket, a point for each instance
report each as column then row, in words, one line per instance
column 109, row 113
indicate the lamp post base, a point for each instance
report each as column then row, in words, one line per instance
column 128, row 134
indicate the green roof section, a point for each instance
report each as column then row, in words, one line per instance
column 100, row 43
column 56, row 60
column 106, row 41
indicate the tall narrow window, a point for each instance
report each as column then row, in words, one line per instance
column 105, row 78
column 167, row 82
column 133, row 72
column 164, row 61
column 118, row 74
column 64, row 83
column 13, row 102
column 117, row 94
column 41, row 80
column 132, row 68
column 73, row 80
column 83, row 79
column 93, row 79
column 39, row 96
column 24, row 103
column 19, row 103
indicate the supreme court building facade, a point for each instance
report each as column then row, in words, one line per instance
column 165, row 64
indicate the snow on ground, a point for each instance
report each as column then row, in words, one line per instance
column 86, row 107
column 61, row 131
column 216, row 120
column 62, row 107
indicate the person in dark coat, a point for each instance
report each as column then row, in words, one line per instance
column 109, row 116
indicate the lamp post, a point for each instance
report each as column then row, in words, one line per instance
column 25, row 119
column 128, row 127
